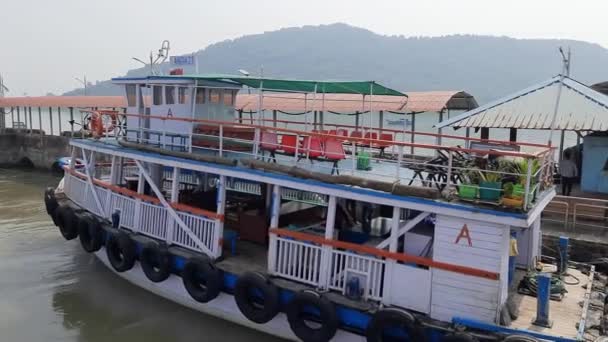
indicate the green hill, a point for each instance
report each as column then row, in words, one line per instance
column 488, row 67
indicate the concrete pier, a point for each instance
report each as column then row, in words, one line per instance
column 39, row 151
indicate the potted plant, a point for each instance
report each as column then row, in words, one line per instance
column 468, row 188
column 510, row 199
column 490, row 186
column 522, row 170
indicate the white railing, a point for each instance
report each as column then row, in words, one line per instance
column 301, row 261
column 145, row 218
column 296, row 260
column 126, row 205
column 152, row 220
column 204, row 229
column 369, row 270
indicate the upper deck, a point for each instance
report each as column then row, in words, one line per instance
column 196, row 115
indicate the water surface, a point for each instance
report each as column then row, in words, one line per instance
column 51, row 290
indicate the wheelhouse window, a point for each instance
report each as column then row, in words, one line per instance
column 229, row 97
column 181, row 95
column 169, row 95
column 157, row 95
column 131, row 96
column 214, row 96
column 200, row 95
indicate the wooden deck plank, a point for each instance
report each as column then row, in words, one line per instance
column 565, row 314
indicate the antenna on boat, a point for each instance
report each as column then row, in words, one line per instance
column 3, row 88
column 156, row 59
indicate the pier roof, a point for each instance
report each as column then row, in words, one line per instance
column 581, row 108
column 64, row 101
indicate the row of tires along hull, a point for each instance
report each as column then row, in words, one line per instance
column 256, row 296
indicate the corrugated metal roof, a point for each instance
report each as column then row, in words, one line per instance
column 64, row 101
column 432, row 101
column 580, row 108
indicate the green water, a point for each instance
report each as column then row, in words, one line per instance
column 50, row 290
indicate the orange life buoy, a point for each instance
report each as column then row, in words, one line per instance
column 98, row 126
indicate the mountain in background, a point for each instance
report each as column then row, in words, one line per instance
column 487, row 67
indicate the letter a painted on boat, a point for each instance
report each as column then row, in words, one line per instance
column 464, row 233
column 169, row 113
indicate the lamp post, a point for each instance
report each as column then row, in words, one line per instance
column 83, row 82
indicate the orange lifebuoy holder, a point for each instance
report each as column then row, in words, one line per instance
column 102, row 122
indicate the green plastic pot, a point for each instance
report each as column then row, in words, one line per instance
column 490, row 191
column 518, row 191
column 467, row 191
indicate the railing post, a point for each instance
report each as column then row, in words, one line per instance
column 528, row 181
column 59, row 119
column 29, row 109
column 297, row 152
column 18, row 116
column 399, row 160
column 326, row 251
column 449, row 173
column 72, row 121
column 51, row 120
column 40, row 120
column 256, row 143
column 353, row 155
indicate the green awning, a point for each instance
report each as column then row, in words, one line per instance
column 304, row 86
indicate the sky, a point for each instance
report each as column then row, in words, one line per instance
column 45, row 44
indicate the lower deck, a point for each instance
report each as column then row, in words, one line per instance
column 566, row 314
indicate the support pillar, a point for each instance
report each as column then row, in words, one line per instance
column 325, row 266
column 392, row 247
column 275, row 209
column 561, row 146
column 221, row 208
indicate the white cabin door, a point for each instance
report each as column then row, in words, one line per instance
column 410, row 287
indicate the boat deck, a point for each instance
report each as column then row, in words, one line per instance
column 565, row 314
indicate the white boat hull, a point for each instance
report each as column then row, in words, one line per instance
column 224, row 306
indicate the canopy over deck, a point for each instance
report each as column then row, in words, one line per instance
column 287, row 85
column 581, row 108
column 415, row 102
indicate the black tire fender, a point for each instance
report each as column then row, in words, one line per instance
column 202, row 280
column 257, row 297
column 120, row 250
column 155, row 261
column 297, row 317
column 50, row 202
column 67, row 221
column 90, row 233
column 394, row 318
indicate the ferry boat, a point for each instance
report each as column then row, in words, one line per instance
column 312, row 234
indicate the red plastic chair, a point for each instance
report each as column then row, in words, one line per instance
column 333, row 132
column 356, row 134
column 334, row 151
column 387, row 139
column 371, row 135
column 288, row 144
column 269, row 142
column 311, row 147
column 342, row 132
